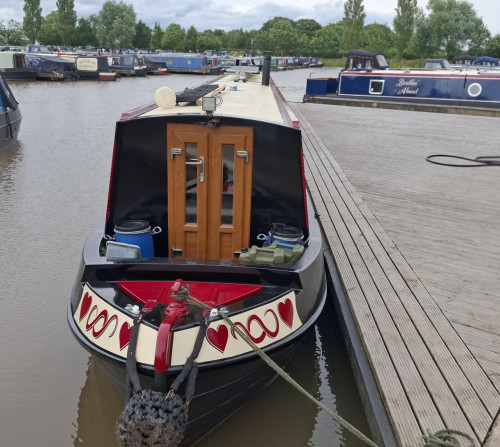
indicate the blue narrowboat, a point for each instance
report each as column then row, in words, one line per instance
column 186, row 63
column 367, row 75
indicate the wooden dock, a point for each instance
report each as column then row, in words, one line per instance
column 417, row 248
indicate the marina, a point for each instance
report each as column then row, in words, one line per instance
column 415, row 246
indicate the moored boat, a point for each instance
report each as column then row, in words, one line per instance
column 13, row 66
column 208, row 231
column 185, row 63
column 367, row 76
column 10, row 115
column 93, row 67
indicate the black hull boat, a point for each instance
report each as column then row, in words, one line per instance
column 10, row 115
column 210, row 251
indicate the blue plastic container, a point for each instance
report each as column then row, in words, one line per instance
column 137, row 232
column 286, row 236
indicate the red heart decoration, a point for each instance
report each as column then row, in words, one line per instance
column 125, row 332
column 86, row 303
column 285, row 309
column 218, row 337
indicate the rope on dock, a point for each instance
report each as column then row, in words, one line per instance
column 478, row 162
column 447, row 438
column 184, row 296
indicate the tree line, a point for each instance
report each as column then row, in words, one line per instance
column 446, row 28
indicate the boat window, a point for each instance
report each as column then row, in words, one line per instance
column 376, row 86
column 381, row 61
column 191, row 183
column 227, row 184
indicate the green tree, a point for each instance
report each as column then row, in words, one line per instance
column 156, row 37
column 12, row 33
column 284, row 38
column 267, row 26
column 492, row 47
column 326, row 41
column 174, row 38
column 49, row 31
column 209, row 42
column 85, row 33
column 307, row 27
column 32, row 20
column 236, row 39
column 192, row 39
column 115, row 24
column 66, row 20
column 379, row 38
column 455, row 26
column 142, row 37
column 404, row 24
column 354, row 19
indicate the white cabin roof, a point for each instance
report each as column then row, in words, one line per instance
column 248, row 99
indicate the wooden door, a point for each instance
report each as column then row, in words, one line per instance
column 209, row 190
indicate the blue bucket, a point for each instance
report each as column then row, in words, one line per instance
column 286, row 236
column 137, row 232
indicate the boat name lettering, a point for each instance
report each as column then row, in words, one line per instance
column 407, row 83
column 408, row 91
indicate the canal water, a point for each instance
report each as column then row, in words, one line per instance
column 53, row 192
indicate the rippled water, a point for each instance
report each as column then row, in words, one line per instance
column 53, row 191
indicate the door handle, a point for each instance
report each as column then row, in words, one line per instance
column 201, row 164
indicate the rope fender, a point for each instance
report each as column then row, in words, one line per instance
column 152, row 418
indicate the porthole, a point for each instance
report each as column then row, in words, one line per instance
column 474, row 89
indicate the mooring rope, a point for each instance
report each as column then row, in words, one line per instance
column 447, row 438
column 184, row 296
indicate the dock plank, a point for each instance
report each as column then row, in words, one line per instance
column 443, row 381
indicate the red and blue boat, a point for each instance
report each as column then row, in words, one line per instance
column 367, row 76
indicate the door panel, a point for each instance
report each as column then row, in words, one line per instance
column 209, row 198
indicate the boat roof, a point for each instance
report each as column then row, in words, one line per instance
column 248, row 99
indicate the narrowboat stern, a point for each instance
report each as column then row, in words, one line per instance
column 207, row 200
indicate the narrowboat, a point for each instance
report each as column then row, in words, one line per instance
column 208, row 229
column 367, row 76
column 93, row 67
column 13, row 66
column 185, row 63
column 10, row 115
column 52, row 66
column 126, row 64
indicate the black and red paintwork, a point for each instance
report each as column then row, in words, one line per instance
column 275, row 305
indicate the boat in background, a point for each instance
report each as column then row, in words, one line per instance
column 10, row 115
column 185, row 63
column 368, row 76
column 92, row 67
column 52, row 67
column 207, row 201
column 14, row 68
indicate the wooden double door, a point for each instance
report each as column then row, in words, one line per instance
column 209, row 190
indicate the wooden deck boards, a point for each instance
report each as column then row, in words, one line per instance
column 412, row 264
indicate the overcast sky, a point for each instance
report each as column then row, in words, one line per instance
column 228, row 15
